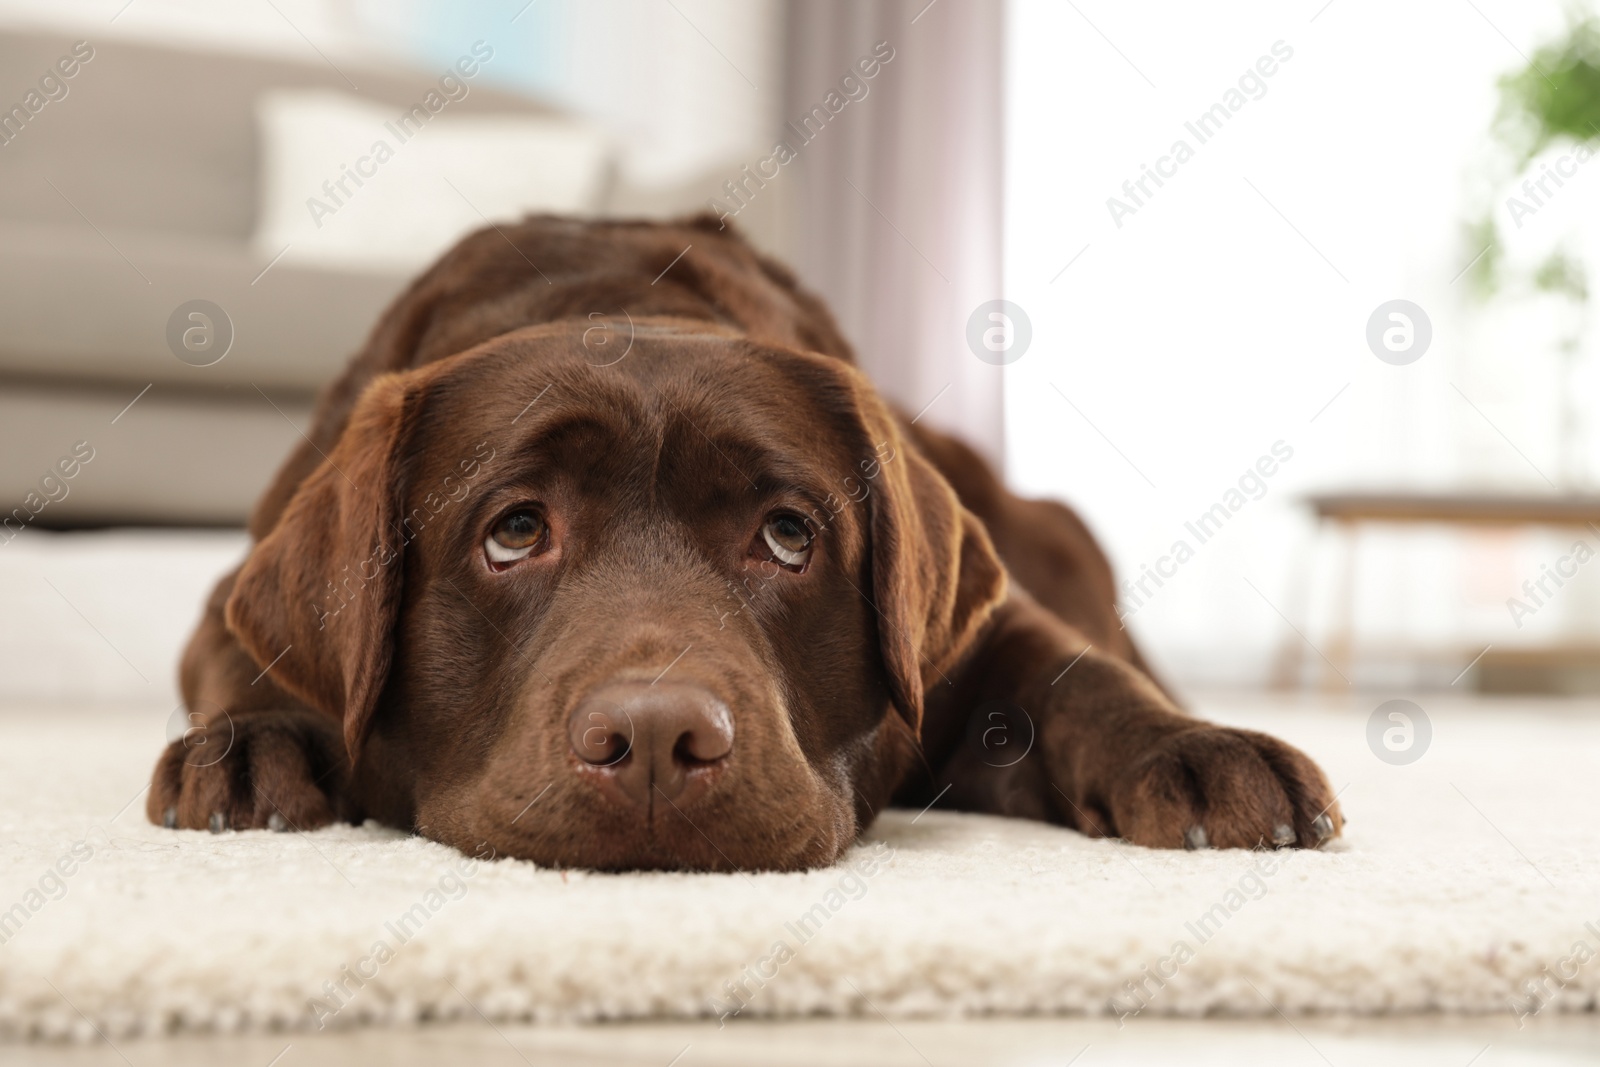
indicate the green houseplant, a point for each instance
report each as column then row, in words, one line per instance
column 1553, row 102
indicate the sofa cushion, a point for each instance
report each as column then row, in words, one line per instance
column 347, row 182
column 75, row 456
column 84, row 304
column 158, row 138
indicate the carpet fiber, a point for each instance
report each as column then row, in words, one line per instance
column 1464, row 876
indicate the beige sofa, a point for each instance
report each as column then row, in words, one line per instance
column 133, row 193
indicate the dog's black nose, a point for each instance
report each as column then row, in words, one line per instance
column 641, row 737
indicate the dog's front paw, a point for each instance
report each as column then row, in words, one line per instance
column 1210, row 786
column 277, row 770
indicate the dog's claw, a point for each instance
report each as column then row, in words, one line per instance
column 277, row 823
column 219, row 822
column 1195, row 838
column 169, row 818
column 1283, row 835
column 1322, row 826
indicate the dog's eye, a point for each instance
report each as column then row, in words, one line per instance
column 517, row 536
column 788, row 540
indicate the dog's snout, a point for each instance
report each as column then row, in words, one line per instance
column 639, row 737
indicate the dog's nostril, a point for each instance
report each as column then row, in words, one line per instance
column 652, row 737
column 601, row 736
column 705, row 742
column 683, row 751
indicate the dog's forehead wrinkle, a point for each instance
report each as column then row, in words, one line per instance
column 680, row 381
column 742, row 448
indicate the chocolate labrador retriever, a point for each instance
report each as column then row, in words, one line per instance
column 602, row 553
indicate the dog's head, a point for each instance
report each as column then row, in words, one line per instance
column 674, row 611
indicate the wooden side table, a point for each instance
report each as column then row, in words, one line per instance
column 1349, row 512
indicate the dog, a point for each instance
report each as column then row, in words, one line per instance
column 602, row 553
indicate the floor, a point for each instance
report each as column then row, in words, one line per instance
column 1438, row 1040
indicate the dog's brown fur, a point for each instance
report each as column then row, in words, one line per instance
column 366, row 661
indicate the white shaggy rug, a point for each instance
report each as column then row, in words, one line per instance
column 1465, row 876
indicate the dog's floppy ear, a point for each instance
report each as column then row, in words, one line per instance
column 935, row 575
column 318, row 597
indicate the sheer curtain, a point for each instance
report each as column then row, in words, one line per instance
column 897, row 214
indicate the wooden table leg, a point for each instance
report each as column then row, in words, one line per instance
column 1288, row 667
column 1341, row 640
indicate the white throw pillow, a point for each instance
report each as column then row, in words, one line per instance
column 345, row 182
